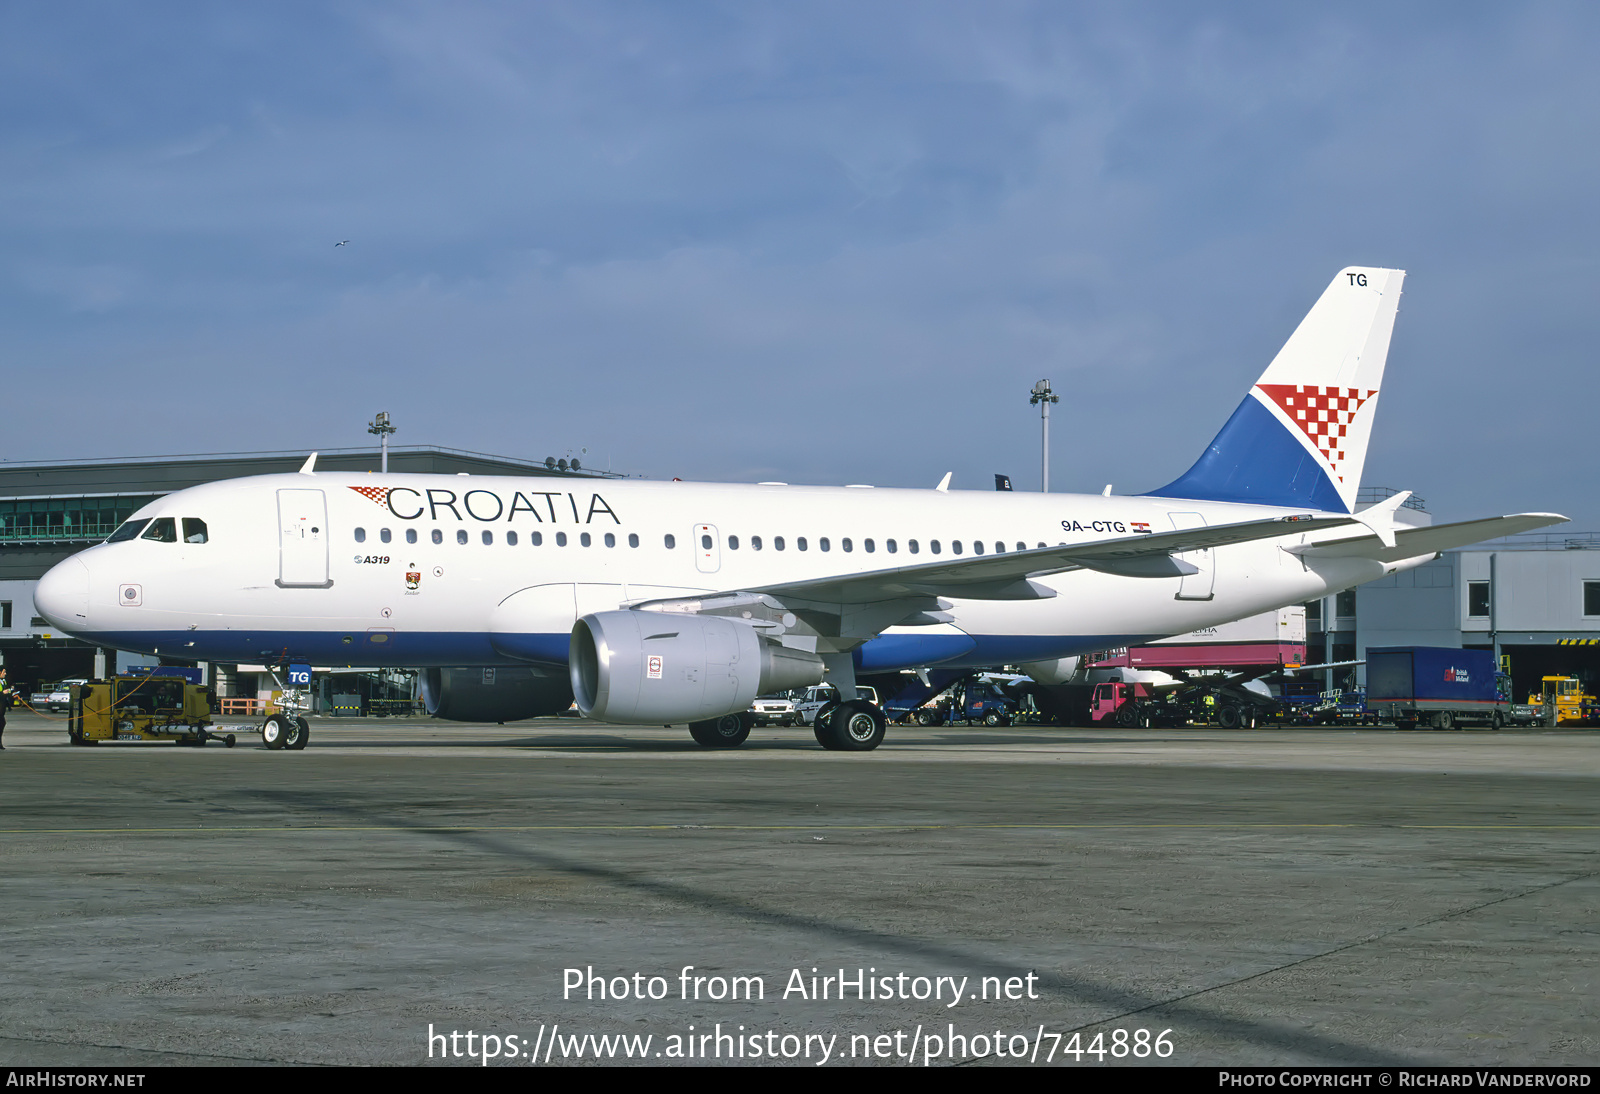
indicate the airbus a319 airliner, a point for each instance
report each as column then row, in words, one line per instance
column 678, row 602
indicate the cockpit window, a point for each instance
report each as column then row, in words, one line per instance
column 194, row 530
column 162, row 530
column 128, row 530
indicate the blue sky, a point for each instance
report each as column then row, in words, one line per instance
column 812, row 242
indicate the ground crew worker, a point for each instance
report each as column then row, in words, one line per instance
column 6, row 699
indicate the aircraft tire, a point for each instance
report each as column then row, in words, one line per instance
column 728, row 731
column 855, row 726
column 302, row 736
column 275, row 732
column 819, row 724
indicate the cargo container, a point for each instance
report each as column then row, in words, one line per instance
column 1437, row 686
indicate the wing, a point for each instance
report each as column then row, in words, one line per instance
column 1005, row 576
column 1426, row 541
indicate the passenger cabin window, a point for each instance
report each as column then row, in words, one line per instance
column 777, row 543
column 385, row 535
column 511, row 539
column 194, row 530
column 162, row 530
column 438, row 536
column 705, row 543
column 891, row 546
column 823, row 544
column 488, row 538
column 461, row 535
column 536, row 538
column 955, row 546
column 933, row 545
column 870, row 546
column 633, row 540
column 847, row 545
column 670, row 541
column 733, row 543
column 755, row 543
column 611, row 540
column 128, row 530
column 800, row 543
column 977, row 547
column 911, row 545
column 411, row 535
column 561, row 539
column 583, row 538
column 361, row 535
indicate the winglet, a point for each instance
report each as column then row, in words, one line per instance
column 310, row 466
column 1380, row 518
column 944, row 483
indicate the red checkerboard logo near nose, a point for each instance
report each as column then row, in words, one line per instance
column 379, row 494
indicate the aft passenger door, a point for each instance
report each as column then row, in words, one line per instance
column 707, row 550
column 302, row 540
column 1196, row 586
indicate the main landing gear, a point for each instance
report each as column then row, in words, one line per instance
column 854, row 725
column 728, row 731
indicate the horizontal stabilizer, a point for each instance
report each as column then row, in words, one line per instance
column 1426, row 541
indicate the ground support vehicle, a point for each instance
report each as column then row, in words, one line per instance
column 142, row 708
column 987, row 704
column 1437, row 686
column 1562, row 702
column 818, row 696
column 774, row 710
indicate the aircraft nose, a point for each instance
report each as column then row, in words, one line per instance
column 62, row 595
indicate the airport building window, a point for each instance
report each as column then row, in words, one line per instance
column 1344, row 604
column 633, row 539
column 461, row 535
column 800, row 543
column 933, row 545
column 438, row 536
column 88, row 519
column 891, row 546
column 823, row 544
column 611, row 540
column 733, row 543
column 5, row 614
column 1478, row 600
column 561, row 539
column 162, row 530
column 385, row 535
column 755, row 543
column 847, row 545
column 1591, row 598
column 1314, row 615
column 912, row 546
column 671, row 541
column 411, row 535
column 511, row 539
column 488, row 538
column 361, row 535
column 777, row 543
column 536, row 538
column 870, row 546
column 194, row 530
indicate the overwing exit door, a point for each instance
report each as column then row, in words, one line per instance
column 707, row 551
column 302, row 540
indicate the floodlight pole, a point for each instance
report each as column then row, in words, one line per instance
column 1043, row 396
column 380, row 425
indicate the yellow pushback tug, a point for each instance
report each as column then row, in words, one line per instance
column 143, row 708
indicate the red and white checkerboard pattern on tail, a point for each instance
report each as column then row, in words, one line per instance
column 379, row 494
column 1323, row 414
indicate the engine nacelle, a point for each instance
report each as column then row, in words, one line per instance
column 499, row 694
column 657, row 668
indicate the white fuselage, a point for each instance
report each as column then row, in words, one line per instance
column 410, row 569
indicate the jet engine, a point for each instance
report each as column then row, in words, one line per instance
column 494, row 694
column 657, row 668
